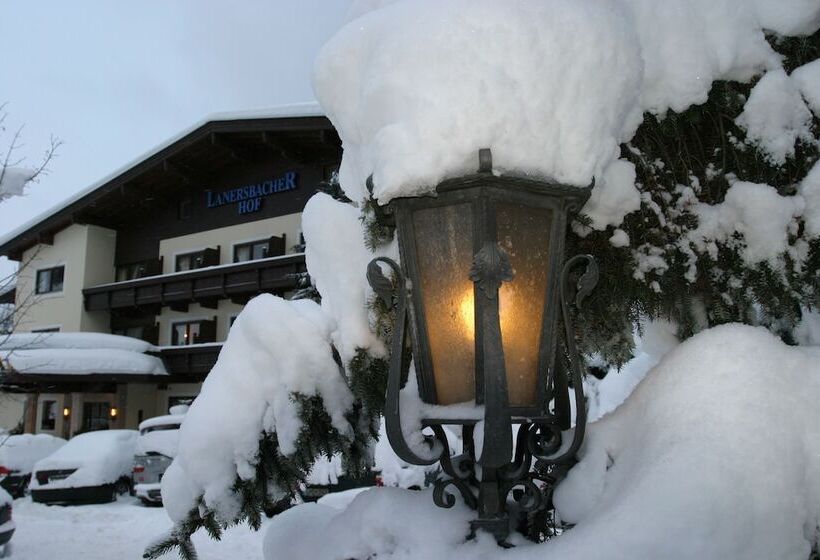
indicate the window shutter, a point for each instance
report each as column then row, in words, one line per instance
column 150, row 333
column 210, row 257
column 276, row 246
column 207, row 331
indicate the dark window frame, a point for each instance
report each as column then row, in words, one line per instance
column 207, row 257
column 92, row 422
column 174, row 339
column 192, row 255
column 52, row 418
column 51, row 283
column 264, row 242
column 45, row 330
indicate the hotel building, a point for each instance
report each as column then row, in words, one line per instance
column 167, row 251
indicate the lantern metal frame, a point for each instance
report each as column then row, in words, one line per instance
column 485, row 477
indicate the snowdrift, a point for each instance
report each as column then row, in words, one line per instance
column 716, row 455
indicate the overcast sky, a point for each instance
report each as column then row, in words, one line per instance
column 113, row 79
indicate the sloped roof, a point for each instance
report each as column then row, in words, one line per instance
column 289, row 129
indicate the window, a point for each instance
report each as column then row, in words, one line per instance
column 185, row 333
column 190, row 261
column 250, row 251
column 197, row 259
column 95, row 416
column 50, row 280
column 133, row 332
column 132, row 271
column 48, row 420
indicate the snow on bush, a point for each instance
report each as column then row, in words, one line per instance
column 775, row 117
column 552, row 87
column 275, row 348
column 99, row 458
column 807, row 78
column 337, row 258
column 758, row 212
column 716, row 455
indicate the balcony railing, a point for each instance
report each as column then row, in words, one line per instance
column 192, row 363
column 206, row 286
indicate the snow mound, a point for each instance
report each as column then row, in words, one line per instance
column 160, row 435
column 99, row 457
column 274, row 349
column 80, row 341
column 716, row 455
column 416, row 87
column 75, row 361
column 20, row 452
column 717, row 450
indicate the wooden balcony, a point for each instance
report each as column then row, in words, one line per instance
column 206, row 286
column 190, row 363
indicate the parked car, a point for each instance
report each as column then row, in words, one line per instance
column 94, row 467
column 18, row 453
column 6, row 523
column 327, row 475
column 156, row 448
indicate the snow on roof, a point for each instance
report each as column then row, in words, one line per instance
column 294, row 110
column 82, row 361
column 89, row 341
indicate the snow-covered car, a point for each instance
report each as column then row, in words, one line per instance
column 18, row 454
column 6, row 523
column 93, row 467
column 156, row 448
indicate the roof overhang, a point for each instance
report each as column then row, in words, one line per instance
column 299, row 133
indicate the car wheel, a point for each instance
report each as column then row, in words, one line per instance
column 122, row 487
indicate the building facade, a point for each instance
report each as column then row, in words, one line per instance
column 166, row 251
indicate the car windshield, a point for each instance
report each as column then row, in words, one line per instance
column 159, row 427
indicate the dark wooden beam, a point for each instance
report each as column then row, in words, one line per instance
column 172, row 168
column 236, row 151
column 45, row 237
column 209, row 303
column 283, row 148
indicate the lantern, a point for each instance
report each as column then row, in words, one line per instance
column 480, row 287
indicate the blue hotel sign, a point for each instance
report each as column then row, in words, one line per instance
column 249, row 197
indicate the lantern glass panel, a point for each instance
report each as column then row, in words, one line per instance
column 524, row 232
column 444, row 253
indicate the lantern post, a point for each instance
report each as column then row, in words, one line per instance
column 481, row 297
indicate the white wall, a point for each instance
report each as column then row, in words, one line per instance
column 227, row 237
column 12, row 408
column 87, row 252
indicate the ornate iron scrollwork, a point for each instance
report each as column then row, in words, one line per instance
column 513, row 478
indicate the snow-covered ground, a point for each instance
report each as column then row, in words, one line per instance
column 117, row 530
